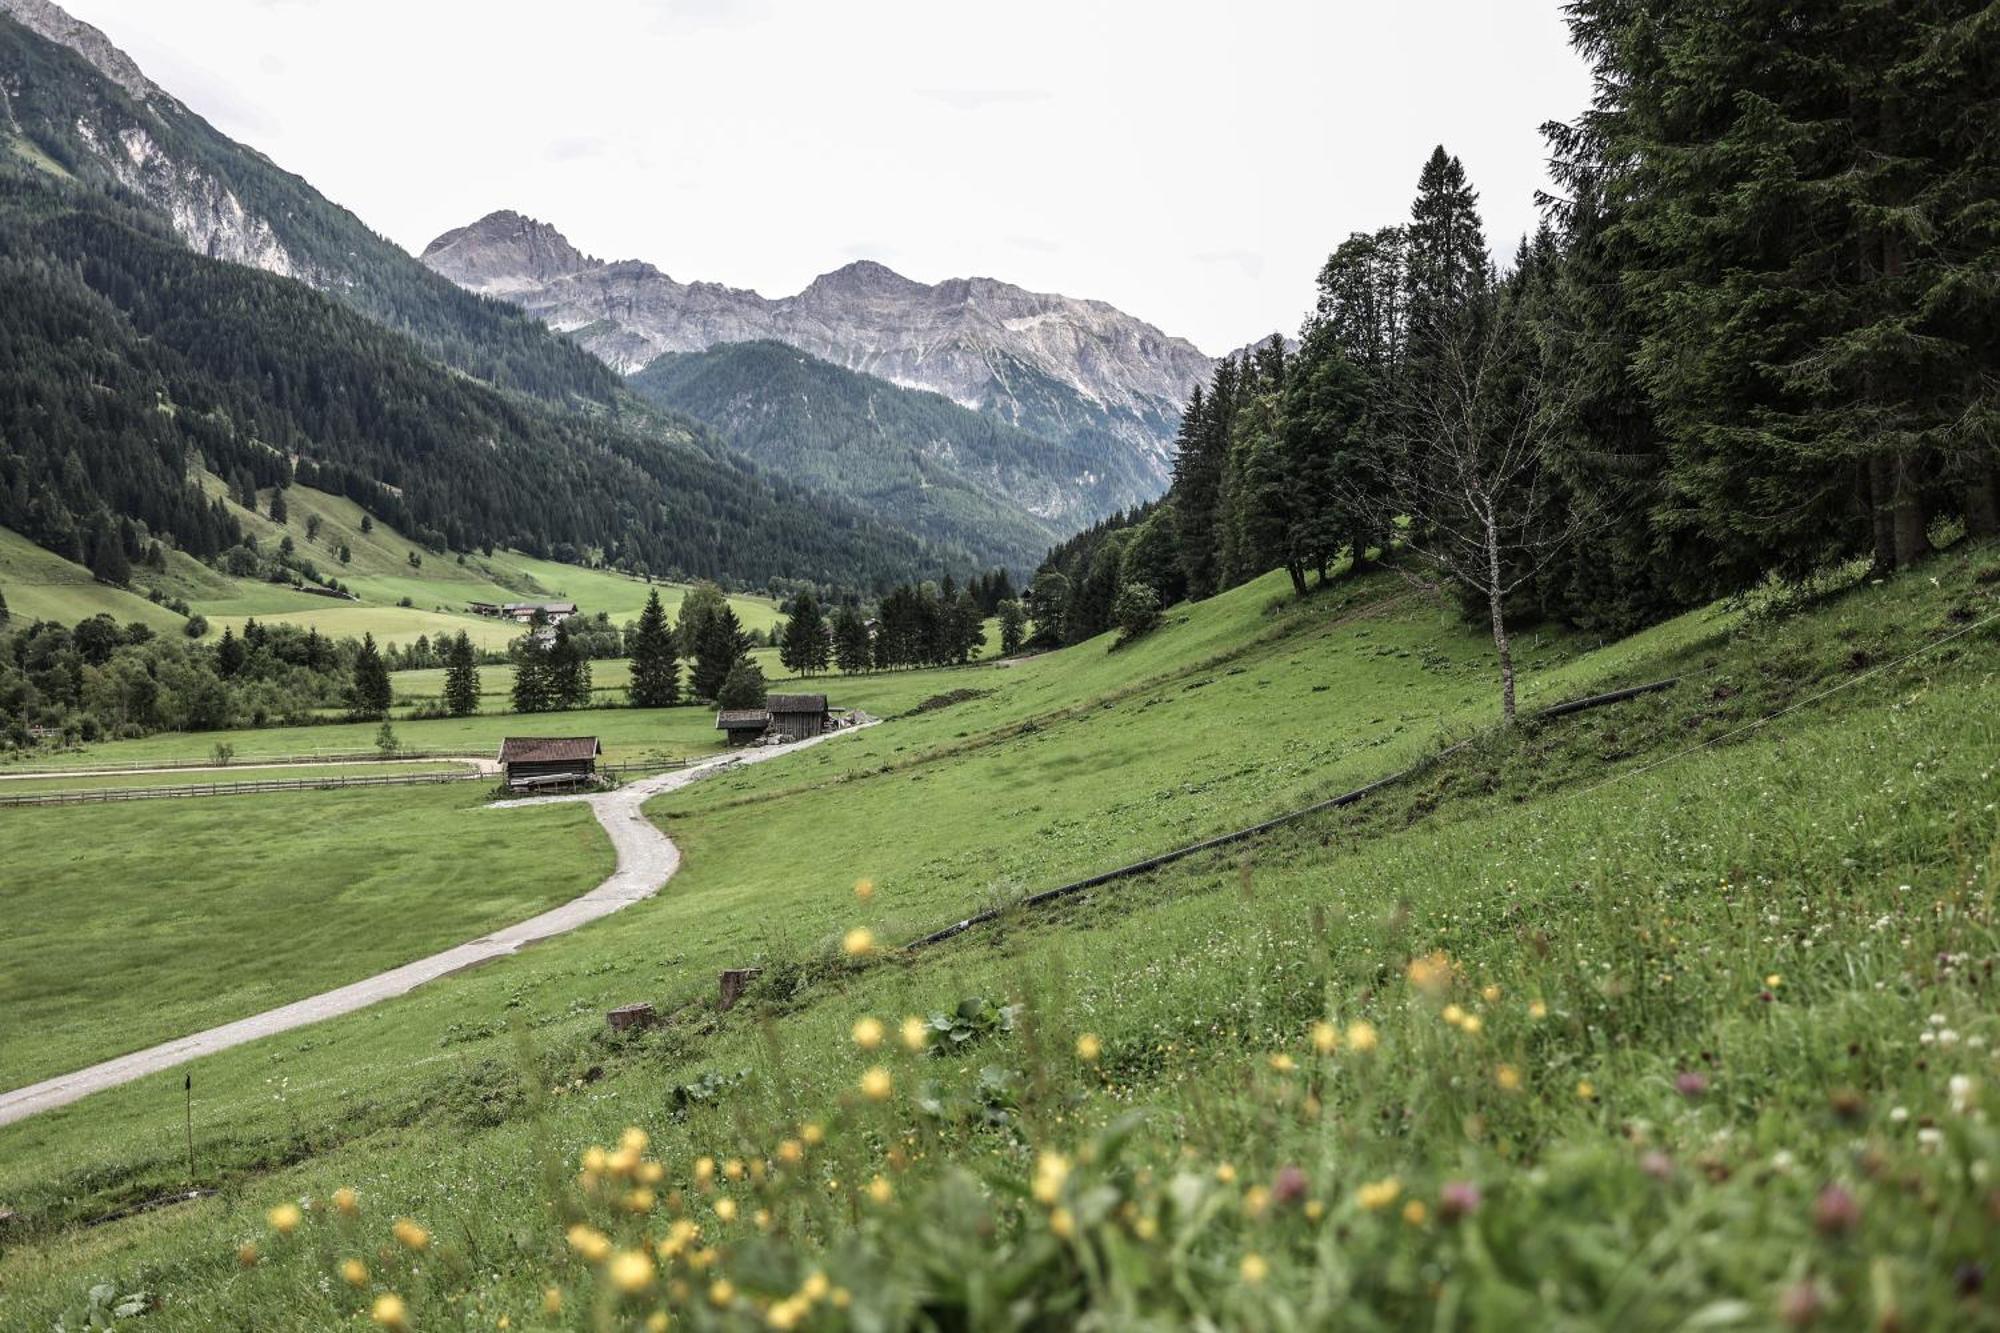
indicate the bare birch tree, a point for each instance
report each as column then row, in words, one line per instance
column 1479, row 509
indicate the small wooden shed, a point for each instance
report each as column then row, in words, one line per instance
column 740, row 726
column 798, row 716
column 549, row 761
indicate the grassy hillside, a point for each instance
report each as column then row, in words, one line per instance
column 1574, row 998
column 38, row 584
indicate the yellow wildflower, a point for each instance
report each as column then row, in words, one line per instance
column 1361, row 1037
column 1415, row 1213
column 1325, row 1040
column 1586, row 1090
column 1062, row 1224
column 1490, row 994
column 791, row 1152
column 876, row 1085
column 880, row 1190
column 354, row 1273
column 1378, row 1194
column 1089, row 1048
column 390, row 1312
column 725, row 1209
column 1225, row 1173
column 412, row 1235
column 1773, row 981
column 589, row 1242
column 868, row 1033
column 552, row 1300
column 1432, row 973
column 733, row 1168
column 788, row 1313
column 346, row 1202
column 1453, row 1015
column 704, row 1171
column 284, row 1219
column 858, row 943
column 1508, row 1077
column 1255, row 1268
column 721, row 1292
column 1470, row 1027
column 1051, row 1170
column 915, row 1035
column 1537, row 1010
column 864, row 889
column 1283, row 1064
column 816, row 1286
column 246, row 1254
column 631, row 1271
column 812, row 1133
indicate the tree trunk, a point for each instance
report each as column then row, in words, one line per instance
column 1494, row 598
column 1881, row 515
column 1359, row 543
column 1913, row 540
column 1982, row 505
column 1297, row 570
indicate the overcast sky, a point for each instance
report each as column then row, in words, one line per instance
column 1189, row 163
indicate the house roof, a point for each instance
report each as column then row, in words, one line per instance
column 562, row 607
column 742, row 719
column 548, row 749
column 796, row 703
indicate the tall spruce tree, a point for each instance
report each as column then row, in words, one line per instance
column 461, row 677
column 720, row 646
column 656, row 674
column 851, row 644
column 808, row 639
column 568, row 669
column 372, row 693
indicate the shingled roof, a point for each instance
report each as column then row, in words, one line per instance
column 548, row 749
column 742, row 719
column 796, row 703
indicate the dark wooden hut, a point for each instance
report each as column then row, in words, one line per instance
column 549, row 761
column 740, row 726
column 798, row 716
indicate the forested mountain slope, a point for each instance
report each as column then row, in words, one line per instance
column 169, row 299
column 914, row 458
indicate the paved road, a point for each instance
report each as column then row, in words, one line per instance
column 647, row 858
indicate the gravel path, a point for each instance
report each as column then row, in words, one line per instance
column 647, row 858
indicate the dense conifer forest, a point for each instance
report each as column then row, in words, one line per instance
column 1755, row 333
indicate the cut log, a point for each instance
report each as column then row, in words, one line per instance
column 630, row 1016
column 734, row 982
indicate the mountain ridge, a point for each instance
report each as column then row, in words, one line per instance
column 1077, row 371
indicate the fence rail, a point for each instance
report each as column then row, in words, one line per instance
column 370, row 756
column 259, row 786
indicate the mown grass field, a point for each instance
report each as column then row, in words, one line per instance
column 134, row 922
column 1578, row 1109
column 40, row 585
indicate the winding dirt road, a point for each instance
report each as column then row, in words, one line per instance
column 647, row 859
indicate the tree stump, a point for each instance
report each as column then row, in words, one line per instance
column 734, row 982
column 630, row 1016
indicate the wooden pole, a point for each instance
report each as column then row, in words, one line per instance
column 189, row 1088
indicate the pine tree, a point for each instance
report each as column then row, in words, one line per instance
column 656, row 675
column 371, row 680
column 107, row 558
column 808, row 640
column 720, row 646
column 461, row 677
column 852, row 648
column 229, row 655
column 278, row 509
column 567, row 671
column 531, row 692
column 5, row 615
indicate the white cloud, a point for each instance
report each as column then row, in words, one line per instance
column 1188, row 164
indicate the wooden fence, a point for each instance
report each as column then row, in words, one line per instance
column 259, row 786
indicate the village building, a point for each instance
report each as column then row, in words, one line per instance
column 552, row 613
column 530, row 762
column 798, row 717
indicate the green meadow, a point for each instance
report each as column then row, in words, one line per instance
column 134, row 922
column 1549, row 1034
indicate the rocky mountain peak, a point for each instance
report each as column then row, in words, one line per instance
column 55, row 24
column 505, row 252
column 862, row 278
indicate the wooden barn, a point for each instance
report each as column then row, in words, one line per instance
column 798, row 716
column 530, row 762
column 740, row 726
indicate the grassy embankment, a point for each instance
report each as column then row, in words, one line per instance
column 1637, row 1011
